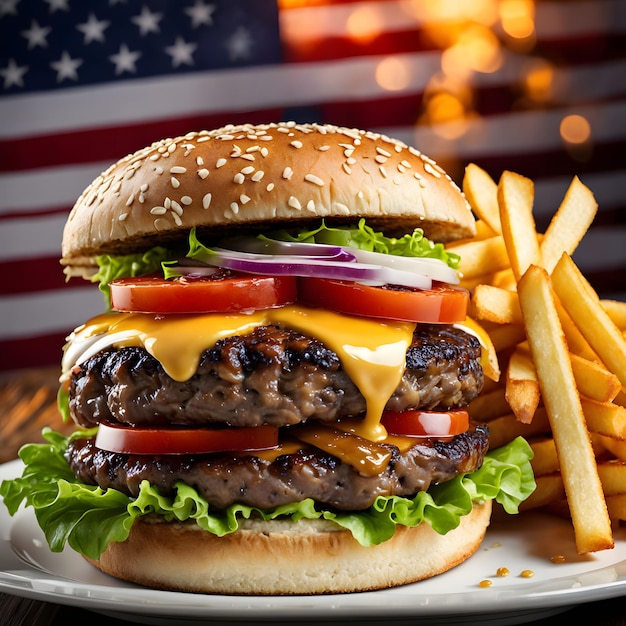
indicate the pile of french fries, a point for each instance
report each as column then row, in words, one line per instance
column 556, row 353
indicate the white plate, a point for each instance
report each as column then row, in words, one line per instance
column 524, row 543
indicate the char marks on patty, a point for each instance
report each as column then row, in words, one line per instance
column 271, row 376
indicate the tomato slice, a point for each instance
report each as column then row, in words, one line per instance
column 128, row 440
column 441, row 304
column 417, row 423
column 155, row 294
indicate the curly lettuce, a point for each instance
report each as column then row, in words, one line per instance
column 88, row 518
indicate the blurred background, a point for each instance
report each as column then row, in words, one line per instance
column 533, row 86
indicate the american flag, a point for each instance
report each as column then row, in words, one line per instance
column 534, row 87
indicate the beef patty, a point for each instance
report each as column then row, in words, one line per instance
column 271, row 376
column 228, row 478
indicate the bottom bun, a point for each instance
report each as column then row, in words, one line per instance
column 285, row 558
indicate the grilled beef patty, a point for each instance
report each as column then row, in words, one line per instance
column 228, row 478
column 271, row 376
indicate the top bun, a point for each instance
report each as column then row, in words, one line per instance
column 245, row 176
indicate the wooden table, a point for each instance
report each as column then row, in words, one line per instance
column 28, row 402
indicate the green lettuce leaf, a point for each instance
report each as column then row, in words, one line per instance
column 88, row 518
column 364, row 237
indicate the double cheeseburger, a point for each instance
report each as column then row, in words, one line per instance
column 275, row 401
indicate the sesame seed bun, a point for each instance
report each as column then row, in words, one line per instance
column 246, row 176
column 283, row 557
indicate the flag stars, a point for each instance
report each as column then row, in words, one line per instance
column 239, row 44
column 36, row 35
column 13, row 74
column 147, row 21
column 125, row 60
column 58, row 5
column 181, row 52
column 66, row 67
column 201, row 14
column 93, row 29
column 8, row 7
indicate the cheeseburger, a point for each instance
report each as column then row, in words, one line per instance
column 275, row 400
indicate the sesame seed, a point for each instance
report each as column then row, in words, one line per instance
column 266, row 138
column 296, row 144
column 257, row 176
column 383, row 171
column 323, row 148
column 287, row 173
column 346, row 168
column 158, row 170
column 202, row 139
column 405, row 163
column 381, row 159
column 348, row 152
column 310, row 206
column 244, row 199
column 167, row 203
column 264, row 150
column 177, row 219
column 239, row 178
column 316, row 180
column 270, row 186
column 178, row 169
column 431, row 170
column 122, row 217
column 294, row 203
column 342, row 208
column 282, row 129
column 203, row 173
column 141, row 198
column 360, row 195
column 171, row 147
column 383, row 152
column 175, row 182
column 131, row 199
column 144, row 187
column 351, row 161
column 155, row 157
column 247, row 170
column 401, row 168
column 220, row 162
column 199, row 161
column 176, row 207
column 247, row 157
column 206, row 201
column 186, row 200
column 158, row 210
column 234, row 207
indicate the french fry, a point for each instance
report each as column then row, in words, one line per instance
column 488, row 406
column 505, row 428
column 515, row 198
column 577, row 344
column 482, row 193
column 617, row 312
column 569, row 224
column 549, row 490
column 613, row 476
column 583, row 305
column 545, row 459
column 594, row 380
column 605, row 418
column 617, row 506
column 522, row 386
column 482, row 257
column 592, row 525
column 616, row 447
column 505, row 336
column 495, row 305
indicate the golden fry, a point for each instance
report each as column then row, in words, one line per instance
column 613, row 476
column 522, row 386
column 546, row 460
column 584, row 307
column 506, row 427
column 495, row 305
column 489, row 405
column 569, row 224
column 592, row 526
column 482, row 193
column 515, row 198
column 594, row 380
column 617, row 312
column 605, row 418
column 482, row 257
column 549, row 490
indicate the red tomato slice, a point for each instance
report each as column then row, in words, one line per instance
column 129, row 440
column 441, row 304
column 416, row 423
column 154, row 294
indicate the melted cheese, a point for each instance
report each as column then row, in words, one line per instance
column 372, row 352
